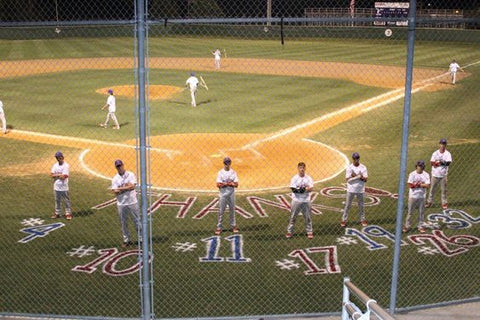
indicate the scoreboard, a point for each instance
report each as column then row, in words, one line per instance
column 392, row 10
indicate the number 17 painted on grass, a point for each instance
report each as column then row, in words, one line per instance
column 331, row 261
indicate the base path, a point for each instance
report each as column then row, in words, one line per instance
column 190, row 162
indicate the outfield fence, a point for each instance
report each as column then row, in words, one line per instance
column 278, row 84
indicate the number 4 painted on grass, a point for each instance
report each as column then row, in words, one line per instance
column 331, row 261
column 39, row 231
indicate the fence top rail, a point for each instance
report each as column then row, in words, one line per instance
column 370, row 303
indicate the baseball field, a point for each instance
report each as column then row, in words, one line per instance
column 268, row 108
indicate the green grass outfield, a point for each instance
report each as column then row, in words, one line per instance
column 38, row 277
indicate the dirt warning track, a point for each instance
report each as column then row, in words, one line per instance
column 189, row 162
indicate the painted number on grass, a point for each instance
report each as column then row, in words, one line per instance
column 109, row 258
column 441, row 242
column 213, row 247
column 331, row 261
column 39, row 231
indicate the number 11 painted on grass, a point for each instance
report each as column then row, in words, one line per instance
column 213, row 246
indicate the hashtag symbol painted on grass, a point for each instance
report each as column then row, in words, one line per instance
column 346, row 240
column 32, row 222
column 427, row 250
column 184, row 247
column 286, row 264
column 82, row 251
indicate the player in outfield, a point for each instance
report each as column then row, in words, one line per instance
column 440, row 161
column 227, row 181
column 418, row 183
column 112, row 108
column 123, row 186
column 301, row 186
column 59, row 173
column 356, row 177
column 2, row 118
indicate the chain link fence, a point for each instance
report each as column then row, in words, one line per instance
column 275, row 83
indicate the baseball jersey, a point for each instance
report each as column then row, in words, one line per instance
column 299, row 182
column 59, row 184
column 415, row 177
column 127, row 197
column 1, row 107
column 111, row 103
column 453, row 67
column 440, row 171
column 192, row 83
column 225, row 176
column 217, row 54
column 356, row 185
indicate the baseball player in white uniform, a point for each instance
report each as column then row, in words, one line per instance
column 2, row 117
column 301, row 186
column 227, row 181
column 453, row 68
column 123, row 186
column 217, row 56
column 440, row 161
column 112, row 108
column 356, row 176
column 59, row 173
column 418, row 182
column 192, row 83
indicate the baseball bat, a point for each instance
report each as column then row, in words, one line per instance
column 203, row 83
column 225, row 53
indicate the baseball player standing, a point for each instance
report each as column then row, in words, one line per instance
column 59, row 173
column 440, row 161
column 112, row 107
column 227, row 181
column 217, row 56
column 123, row 186
column 2, row 117
column 301, row 185
column 418, row 182
column 357, row 176
column 192, row 83
column 453, row 68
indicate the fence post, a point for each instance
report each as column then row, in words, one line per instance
column 403, row 153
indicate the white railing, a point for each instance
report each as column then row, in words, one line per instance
column 351, row 311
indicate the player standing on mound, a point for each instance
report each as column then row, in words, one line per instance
column 192, row 83
column 217, row 56
column 59, row 173
column 357, row 176
column 301, row 185
column 227, row 181
column 418, row 182
column 111, row 105
column 123, row 186
column 440, row 161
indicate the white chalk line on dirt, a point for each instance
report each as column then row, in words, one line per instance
column 398, row 94
column 169, row 153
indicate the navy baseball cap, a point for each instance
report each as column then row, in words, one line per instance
column 355, row 155
column 118, row 163
column 420, row 163
column 192, row 73
column 110, row 91
column 443, row 141
column 58, row 154
column 227, row 160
